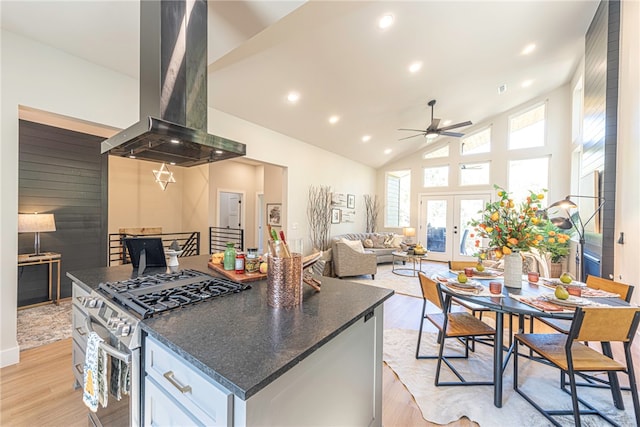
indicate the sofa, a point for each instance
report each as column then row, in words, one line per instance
column 381, row 244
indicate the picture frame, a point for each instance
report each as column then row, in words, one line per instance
column 274, row 214
column 336, row 216
column 351, row 201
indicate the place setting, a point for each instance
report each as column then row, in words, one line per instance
column 462, row 285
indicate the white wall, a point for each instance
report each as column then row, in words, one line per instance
column 40, row 77
column 626, row 268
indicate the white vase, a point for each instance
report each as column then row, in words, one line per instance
column 513, row 270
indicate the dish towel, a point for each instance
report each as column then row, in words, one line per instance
column 95, row 374
column 119, row 384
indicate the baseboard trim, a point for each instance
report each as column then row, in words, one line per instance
column 10, row 356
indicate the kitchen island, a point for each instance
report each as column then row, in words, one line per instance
column 236, row 361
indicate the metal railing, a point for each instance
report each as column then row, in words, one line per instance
column 189, row 241
column 219, row 236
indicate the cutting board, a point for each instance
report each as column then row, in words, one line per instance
column 231, row 274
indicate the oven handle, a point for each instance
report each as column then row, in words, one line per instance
column 112, row 351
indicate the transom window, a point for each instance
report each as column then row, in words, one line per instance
column 398, row 198
column 527, row 129
column 477, row 142
column 474, row 173
column 437, row 176
column 437, row 153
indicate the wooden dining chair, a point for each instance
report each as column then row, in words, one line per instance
column 594, row 282
column 459, row 325
column 571, row 356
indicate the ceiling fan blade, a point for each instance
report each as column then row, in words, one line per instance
column 412, row 136
column 456, row 134
column 434, row 124
column 457, row 125
column 414, row 130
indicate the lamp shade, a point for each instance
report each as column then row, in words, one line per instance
column 34, row 223
column 564, row 204
column 409, row 231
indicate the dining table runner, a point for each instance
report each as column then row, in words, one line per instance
column 586, row 291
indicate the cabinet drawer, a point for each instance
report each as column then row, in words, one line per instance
column 77, row 360
column 202, row 397
column 79, row 331
column 162, row 410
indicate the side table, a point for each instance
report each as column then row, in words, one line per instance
column 49, row 258
column 404, row 257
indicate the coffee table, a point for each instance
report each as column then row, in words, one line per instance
column 404, row 269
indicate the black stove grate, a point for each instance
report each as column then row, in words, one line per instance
column 149, row 295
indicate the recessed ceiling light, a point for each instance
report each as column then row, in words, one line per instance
column 175, row 141
column 388, row 151
column 366, row 138
column 527, row 83
column 386, row 21
column 172, row 163
column 415, row 67
column 528, row 49
column 334, row 119
column 293, row 97
column 218, row 151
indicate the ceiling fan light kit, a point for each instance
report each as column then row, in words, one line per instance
column 433, row 130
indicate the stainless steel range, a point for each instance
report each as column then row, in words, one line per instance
column 115, row 310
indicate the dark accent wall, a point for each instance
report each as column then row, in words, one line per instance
column 61, row 172
column 600, row 123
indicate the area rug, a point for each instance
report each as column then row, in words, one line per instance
column 406, row 285
column 442, row 405
column 44, row 324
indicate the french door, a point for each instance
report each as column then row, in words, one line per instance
column 443, row 225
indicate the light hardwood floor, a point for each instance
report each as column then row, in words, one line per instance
column 38, row 391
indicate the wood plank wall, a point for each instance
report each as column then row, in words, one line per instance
column 62, row 172
column 600, row 124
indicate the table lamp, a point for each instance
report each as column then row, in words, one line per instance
column 567, row 222
column 36, row 223
column 409, row 233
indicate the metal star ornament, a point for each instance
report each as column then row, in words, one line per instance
column 164, row 177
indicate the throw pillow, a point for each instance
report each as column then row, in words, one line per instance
column 378, row 241
column 368, row 243
column 396, row 240
column 388, row 240
column 356, row 245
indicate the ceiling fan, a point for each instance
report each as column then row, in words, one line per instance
column 433, row 130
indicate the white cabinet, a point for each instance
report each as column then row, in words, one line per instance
column 161, row 410
column 198, row 396
column 79, row 334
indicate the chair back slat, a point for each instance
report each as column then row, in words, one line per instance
column 461, row 265
column 624, row 290
column 430, row 290
column 604, row 324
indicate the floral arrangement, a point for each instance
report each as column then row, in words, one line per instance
column 555, row 242
column 510, row 227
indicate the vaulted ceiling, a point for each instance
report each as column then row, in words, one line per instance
column 341, row 63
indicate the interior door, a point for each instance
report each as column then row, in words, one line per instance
column 443, row 225
column 230, row 210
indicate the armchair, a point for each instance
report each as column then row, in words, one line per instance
column 348, row 261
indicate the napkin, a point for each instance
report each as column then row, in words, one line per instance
column 479, row 291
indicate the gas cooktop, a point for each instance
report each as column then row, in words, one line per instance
column 157, row 293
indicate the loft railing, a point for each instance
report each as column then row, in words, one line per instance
column 189, row 242
column 219, row 236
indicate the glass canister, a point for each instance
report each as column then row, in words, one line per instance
column 229, row 260
column 239, row 263
column 252, row 262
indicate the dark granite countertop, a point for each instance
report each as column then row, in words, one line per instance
column 238, row 340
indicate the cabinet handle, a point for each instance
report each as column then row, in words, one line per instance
column 80, row 331
column 79, row 369
column 183, row 389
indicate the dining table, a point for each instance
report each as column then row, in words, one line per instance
column 510, row 301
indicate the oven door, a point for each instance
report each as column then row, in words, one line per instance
column 123, row 412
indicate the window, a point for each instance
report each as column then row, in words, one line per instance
column 576, row 113
column 477, row 142
column 474, row 173
column 398, row 198
column 528, row 175
column 436, row 176
column 437, row 153
column 527, row 129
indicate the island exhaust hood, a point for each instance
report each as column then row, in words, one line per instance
column 173, row 90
